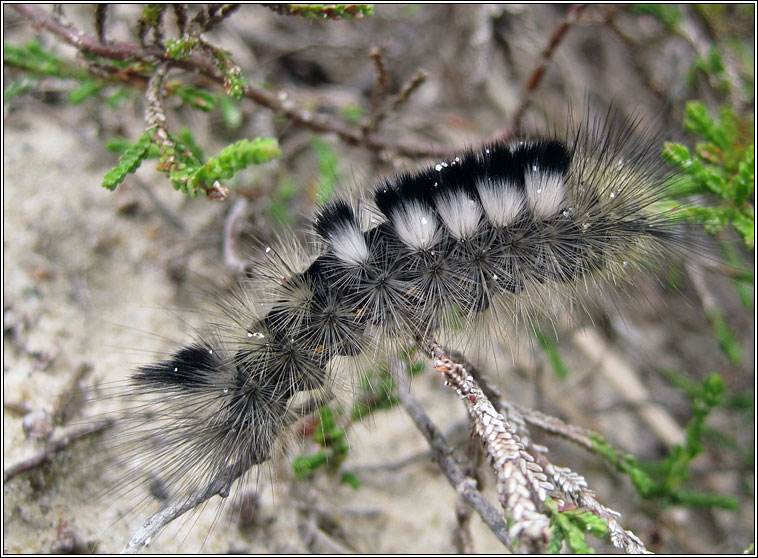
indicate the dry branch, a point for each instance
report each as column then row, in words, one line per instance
column 88, row 44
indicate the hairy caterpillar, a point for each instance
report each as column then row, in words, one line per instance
column 502, row 232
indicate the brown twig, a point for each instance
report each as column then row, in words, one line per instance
column 101, row 15
column 535, row 79
column 443, row 455
column 180, row 11
column 155, row 116
column 553, row 425
column 85, row 43
column 322, row 125
column 316, row 524
column 221, row 486
column 57, row 13
column 143, row 26
column 316, row 540
column 70, row 395
column 463, row 541
column 196, row 63
column 376, row 114
column 408, row 89
column 55, row 447
column 217, row 14
column 633, row 48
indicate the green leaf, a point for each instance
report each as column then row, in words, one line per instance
column 682, row 382
column 556, row 540
column 743, row 183
column 180, row 48
column 727, row 339
column 573, row 526
column 327, row 163
column 698, row 121
column 668, row 14
column 352, row 112
column 744, row 223
column 588, row 521
column 188, row 140
column 86, row 89
column 715, row 219
column 196, row 98
column 551, row 350
column 302, row 465
column 351, row 479
column 706, row 500
column 745, row 281
column 713, row 390
column 129, row 162
column 709, row 152
column 35, row 59
column 716, row 182
column 328, row 11
column 118, row 144
column 677, row 154
column 232, row 159
column 19, row 87
column 376, row 393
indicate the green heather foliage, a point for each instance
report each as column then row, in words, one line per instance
column 718, row 172
column 722, row 168
column 129, row 162
column 333, row 439
column 181, row 47
column 192, row 173
column 572, row 526
column 36, row 60
column 722, row 165
column 375, row 393
column 549, row 346
column 665, row 480
column 328, row 11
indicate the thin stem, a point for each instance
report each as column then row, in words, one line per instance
column 145, row 534
column 443, row 455
column 535, row 79
column 272, row 100
column 55, row 447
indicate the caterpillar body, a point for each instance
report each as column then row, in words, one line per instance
column 501, row 232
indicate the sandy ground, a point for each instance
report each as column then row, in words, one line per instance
column 97, row 280
column 83, row 286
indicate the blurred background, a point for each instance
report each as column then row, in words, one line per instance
column 97, row 282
